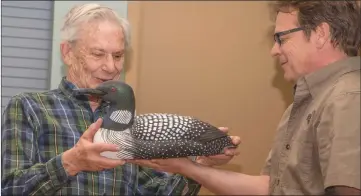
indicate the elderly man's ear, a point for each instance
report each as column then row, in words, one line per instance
column 65, row 50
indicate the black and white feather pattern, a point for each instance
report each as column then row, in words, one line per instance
column 121, row 116
column 164, row 136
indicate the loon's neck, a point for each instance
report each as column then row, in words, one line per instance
column 111, row 124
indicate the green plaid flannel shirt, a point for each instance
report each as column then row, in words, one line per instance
column 38, row 127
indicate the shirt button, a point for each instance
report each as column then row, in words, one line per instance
column 288, row 146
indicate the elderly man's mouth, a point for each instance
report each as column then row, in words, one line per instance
column 103, row 80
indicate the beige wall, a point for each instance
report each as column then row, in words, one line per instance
column 210, row 60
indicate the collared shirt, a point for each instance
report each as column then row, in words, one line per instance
column 38, row 127
column 317, row 144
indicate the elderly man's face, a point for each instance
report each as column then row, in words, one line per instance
column 294, row 52
column 97, row 56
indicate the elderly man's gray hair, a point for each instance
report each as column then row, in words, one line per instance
column 81, row 14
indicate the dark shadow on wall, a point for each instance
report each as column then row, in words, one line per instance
column 285, row 87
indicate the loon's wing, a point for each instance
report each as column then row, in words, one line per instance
column 212, row 133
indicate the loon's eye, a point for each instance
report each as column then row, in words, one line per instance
column 113, row 89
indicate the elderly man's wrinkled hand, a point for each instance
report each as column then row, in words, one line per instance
column 222, row 159
column 85, row 155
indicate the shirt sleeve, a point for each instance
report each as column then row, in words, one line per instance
column 152, row 182
column 22, row 172
column 338, row 136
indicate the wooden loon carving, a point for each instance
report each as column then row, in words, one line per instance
column 153, row 135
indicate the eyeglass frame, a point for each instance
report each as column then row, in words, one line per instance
column 277, row 36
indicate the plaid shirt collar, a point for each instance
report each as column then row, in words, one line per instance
column 67, row 88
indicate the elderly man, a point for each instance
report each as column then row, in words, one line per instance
column 47, row 143
column 317, row 146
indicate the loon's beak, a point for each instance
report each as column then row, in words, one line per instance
column 89, row 91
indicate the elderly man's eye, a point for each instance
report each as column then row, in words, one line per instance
column 98, row 54
column 118, row 57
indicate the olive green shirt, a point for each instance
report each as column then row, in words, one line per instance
column 317, row 144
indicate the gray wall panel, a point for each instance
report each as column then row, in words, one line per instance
column 26, row 43
column 26, row 13
column 26, row 47
column 25, row 63
column 24, row 23
column 20, row 83
column 26, row 33
column 46, row 5
column 25, row 73
column 25, row 53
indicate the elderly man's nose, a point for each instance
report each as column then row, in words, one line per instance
column 110, row 64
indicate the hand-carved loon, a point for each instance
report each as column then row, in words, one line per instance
column 154, row 135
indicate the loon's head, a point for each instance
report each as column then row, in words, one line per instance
column 120, row 97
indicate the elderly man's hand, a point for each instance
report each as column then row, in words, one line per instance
column 85, row 155
column 222, row 159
